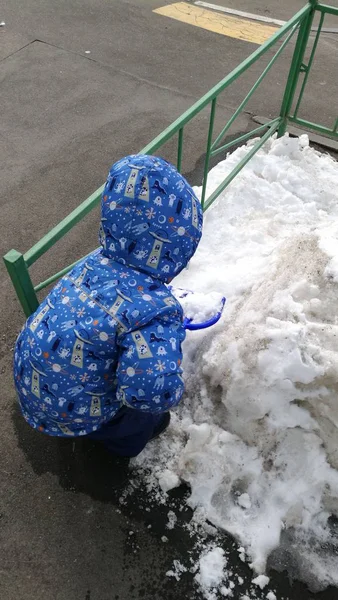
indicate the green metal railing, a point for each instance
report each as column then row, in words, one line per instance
column 18, row 264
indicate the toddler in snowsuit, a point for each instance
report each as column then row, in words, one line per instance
column 102, row 355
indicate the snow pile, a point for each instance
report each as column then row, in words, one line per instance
column 256, row 437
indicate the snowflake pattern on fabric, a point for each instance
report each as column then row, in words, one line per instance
column 110, row 332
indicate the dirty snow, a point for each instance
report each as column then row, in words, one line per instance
column 256, row 436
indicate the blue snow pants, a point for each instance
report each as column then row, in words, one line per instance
column 128, row 432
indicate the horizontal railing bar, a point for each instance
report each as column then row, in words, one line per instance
column 224, row 83
column 254, row 87
column 61, row 228
column 314, row 126
column 332, row 10
column 61, row 273
column 242, row 163
column 245, row 136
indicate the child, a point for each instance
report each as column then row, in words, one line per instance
column 102, row 355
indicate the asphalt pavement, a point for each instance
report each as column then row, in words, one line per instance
column 82, row 84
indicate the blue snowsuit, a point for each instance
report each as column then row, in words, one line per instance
column 109, row 333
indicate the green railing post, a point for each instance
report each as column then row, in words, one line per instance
column 307, row 68
column 295, row 68
column 252, row 90
column 208, row 151
column 18, row 272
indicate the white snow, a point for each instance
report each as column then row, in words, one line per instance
column 172, row 520
column 226, row 591
column 177, row 570
column 262, row 581
column 197, row 306
column 271, row 596
column 244, row 501
column 256, row 435
column 168, row 480
column 211, row 571
column 241, row 553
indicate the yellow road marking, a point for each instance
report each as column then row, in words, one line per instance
column 233, row 27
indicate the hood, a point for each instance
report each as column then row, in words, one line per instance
column 151, row 218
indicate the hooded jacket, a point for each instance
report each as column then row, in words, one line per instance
column 110, row 331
